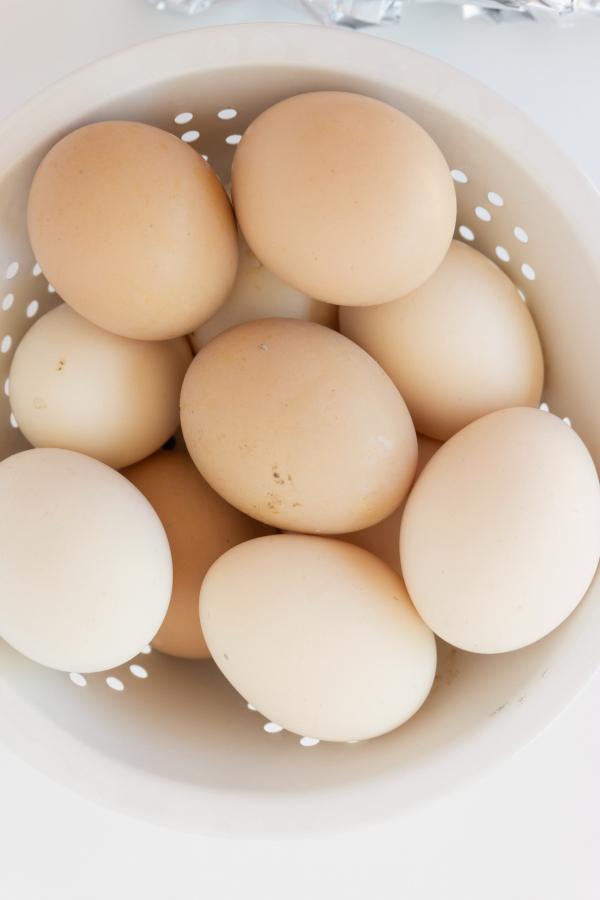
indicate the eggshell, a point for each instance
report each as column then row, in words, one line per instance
column 133, row 229
column 86, row 566
column 298, row 427
column 461, row 345
column 258, row 294
column 500, row 537
column 319, row 635
column 76, row 386
column 343, row 197
column 382, row 539
column 200, row 527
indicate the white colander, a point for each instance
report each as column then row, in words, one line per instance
column 169, row 740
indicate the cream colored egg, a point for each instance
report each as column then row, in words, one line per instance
column 319, row 635
column 86, row 566
column 382, row 539
column 298, row 427
column 200, row 527
column 343, row 197
column 258, row 294
column 500, row 537
column 133, row 229
column 461, row 345
column 76, row 386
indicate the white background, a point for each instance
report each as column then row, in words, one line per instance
column 529, row 830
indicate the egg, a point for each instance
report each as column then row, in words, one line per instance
column 86, row 566
column 343, row 197
column 500, row 536
column 319, row 635
column 133, row 229
column 298, row 427
column 382, row 539
column 76, row 386
column 461, row 345
column 200, row 527
column 258, row 294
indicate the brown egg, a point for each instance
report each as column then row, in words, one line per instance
column 200, row 527
column 133, row 229
column 258, row 294
column 461, row 345
column 318, row 635
column 343, row 197
column 76, row 386
column 500, row 537
column 298, row 427
column 383, row 538
column 86, row 566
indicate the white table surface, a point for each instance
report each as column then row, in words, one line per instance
column 529, row 830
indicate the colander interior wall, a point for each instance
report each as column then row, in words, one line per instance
column 169, row 740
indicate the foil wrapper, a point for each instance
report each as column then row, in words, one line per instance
column 361, row 13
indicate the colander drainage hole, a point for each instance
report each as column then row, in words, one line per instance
column 138, row 671
column 115, row 683
column 184, row 118
column 6, row 344
column 233, row 138
column 13, row 421
column 466, row 233
column 227, row 113
column 79, row 680
column 459, row 176
column 6, row 387
column 521, row 294
column 12, row 270
column 309, row 742
column 32, row 309
column 253, row 708
column 51, row 289
column 204, row 156
column 190, row 136
column 482, row 213
column 544, row 407
column 528, row 271
column 567, row 421
column 272, row 728
column 496, row 199
column 37, row 269
column 8, row 301
column 521, row 235
column 502, row 254
column 147, row 649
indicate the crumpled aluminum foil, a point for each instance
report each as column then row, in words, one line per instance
column 360, row 13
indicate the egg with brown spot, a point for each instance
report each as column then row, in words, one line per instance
column 76, row 386
column 298, row 427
